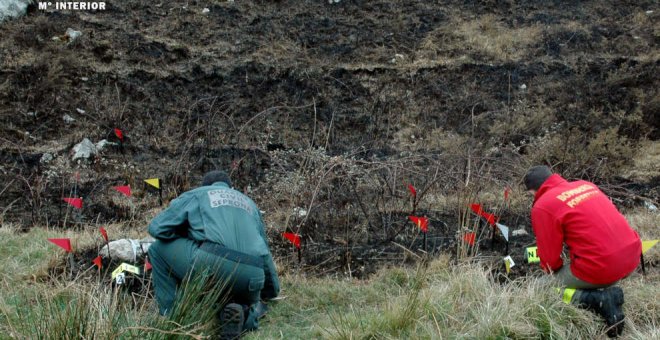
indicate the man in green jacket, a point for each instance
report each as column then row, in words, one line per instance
column 216, row 228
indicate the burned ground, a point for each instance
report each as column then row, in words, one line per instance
column 330, row 109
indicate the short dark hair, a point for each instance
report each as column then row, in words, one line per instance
column 535, row 176
column 215, row 176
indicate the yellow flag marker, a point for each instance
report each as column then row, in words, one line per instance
column 532, row 256
column 646, row 245
column 508, row 263
column 154, row 182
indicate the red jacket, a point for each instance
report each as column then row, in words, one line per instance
column 603, row 248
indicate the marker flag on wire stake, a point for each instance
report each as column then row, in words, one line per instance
column 147, row 264
column 63, row 243
column 492, row 219
column 119, row 134
column 470, row 238
column 74, row 202
column 508, row 263
column 421, row 222
column 412, row 190
column 104, row 233
column 646, row 245
column 293, row 238
column 154, row 182
column 124, row 189
column 504, row 229
column 98, row 262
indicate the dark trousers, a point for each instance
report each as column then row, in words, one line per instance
column 173, row 260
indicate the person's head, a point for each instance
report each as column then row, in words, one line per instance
column 535, row 177
column 215, row 176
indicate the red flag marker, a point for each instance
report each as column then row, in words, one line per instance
column 421, row 222
column 119, row 134
column 294, row 238
column 104, row 233
column 507, row 191
column 147, row 264
column 124, row 189
column 492, row 219
column 74, row 202
column 470, row 238
column 412, row 190
column 98, row 262
column 63, row 243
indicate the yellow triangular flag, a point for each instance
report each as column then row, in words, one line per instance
column 646, row 245
column 508, row 263
column 154, row 182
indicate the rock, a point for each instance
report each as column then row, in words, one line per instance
column 69, row 36
column 84, row 150
column 523, row 87
column 128, row 250
column 101, row 145
column 72, row 34
column 205, row 10
column 46, row 158
column 12, row 9
column 81, row 111
column 68, row 119
column 300, row 212
column 650, row 206
column 519, row 232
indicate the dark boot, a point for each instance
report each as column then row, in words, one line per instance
column 606, row 303
column 231, row 321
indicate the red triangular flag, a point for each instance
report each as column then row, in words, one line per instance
column 492, row 219
column 63, row 243
column 147, row 264
column 124, row 189
column 119, row 134
column 421, row 222
column 104, row 233
column 469, row 238
column 294, row 238
column 98, row 262
column 412, row 190
column 74, row 202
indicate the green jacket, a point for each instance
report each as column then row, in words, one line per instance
column 222, row 215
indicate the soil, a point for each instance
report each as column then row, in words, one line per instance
column 331, row 108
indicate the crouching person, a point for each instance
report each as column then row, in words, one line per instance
column 602, row 247
column 215, row 229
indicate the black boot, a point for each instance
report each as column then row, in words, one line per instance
column 606, row 303
column 231, row 321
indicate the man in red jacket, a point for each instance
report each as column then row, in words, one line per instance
column 602, row 247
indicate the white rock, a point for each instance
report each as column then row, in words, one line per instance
column 523, row 87
column 128, row 250
column 80, row 110
column 205, row 10
column 84, row 79
column 46, row 158
column 647, row 12
column 101, row 144
column 650, row 206
column 300, row 212
column 68, row 119
column 519, row 232
column 12, row 9
column 84, row 149
column 72, row 34
column 32, row 114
